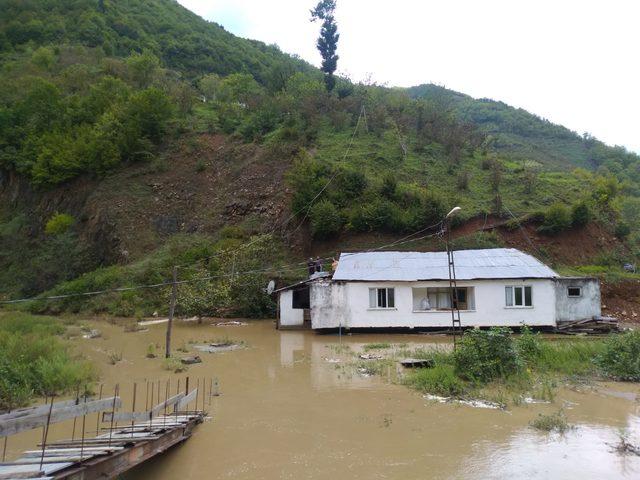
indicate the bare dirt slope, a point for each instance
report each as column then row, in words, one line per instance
column 204, row 183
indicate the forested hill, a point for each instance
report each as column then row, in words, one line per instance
column 182, row 40
column 524, row 135
column 135, row 135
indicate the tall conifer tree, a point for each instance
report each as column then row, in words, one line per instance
column 328, row 40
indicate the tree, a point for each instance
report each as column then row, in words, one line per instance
column 328, row 40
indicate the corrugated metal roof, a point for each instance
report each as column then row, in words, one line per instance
column 411, row 266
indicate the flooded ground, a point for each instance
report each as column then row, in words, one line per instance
column 290, row 409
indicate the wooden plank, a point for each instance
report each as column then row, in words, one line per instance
column 29, row 422
column 48, row 460
column 71, row 449
column 37, row 409
column 193, row 394
column 141, row 416
column 19, row 472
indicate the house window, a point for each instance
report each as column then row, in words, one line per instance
column 518, row 296
column 441, row 298
column 574, row 291
column 382, row 298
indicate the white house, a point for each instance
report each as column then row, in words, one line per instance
column 499, row 286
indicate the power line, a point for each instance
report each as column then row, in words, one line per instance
column 307, row 207
column 285, row 267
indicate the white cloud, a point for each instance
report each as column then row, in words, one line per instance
column 573, row 62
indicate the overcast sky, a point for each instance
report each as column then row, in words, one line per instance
column 576, row 63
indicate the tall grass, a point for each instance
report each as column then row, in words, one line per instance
column 34, row 361
column 495, row 363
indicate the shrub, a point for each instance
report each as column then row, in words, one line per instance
column 389, row 186
column 34, row 361
column 484, row 355
column 622, row 230
column 59, row 223
column 325, row 219
column 620, row 358
column 528, row 345
column 556, row 422
column 439, row 380
column 556, row 219
column 580, row 214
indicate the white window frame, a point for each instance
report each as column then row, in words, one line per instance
column 513, row 288
column 374, row 296
column 574, row 296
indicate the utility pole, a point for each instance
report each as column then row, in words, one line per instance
column 456, row 325
column 172, row 309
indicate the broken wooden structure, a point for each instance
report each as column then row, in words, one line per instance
column 128, row 439
column 589, row 326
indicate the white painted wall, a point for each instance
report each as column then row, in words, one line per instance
column 290, row 317
column 347, row 304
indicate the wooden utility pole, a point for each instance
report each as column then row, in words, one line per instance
column 172, row 309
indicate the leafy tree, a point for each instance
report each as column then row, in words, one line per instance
column 142, row 67
column 557, row 218
column 580, row 214
column 325, row 219
column 328, row 40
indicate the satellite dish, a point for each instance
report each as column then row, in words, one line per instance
column 271, row 287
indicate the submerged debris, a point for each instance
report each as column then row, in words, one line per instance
column 93, row 333
column 625, row 447
column 331, row 360
column 417, row 362
column 370, row 356
column 191, row 360
column 230, row 323
column 468, row 403
column 219, row 347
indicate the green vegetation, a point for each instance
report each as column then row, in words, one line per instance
column 174, row 365
column 496, row 365
column 556, row 422
column 34, row 361
column 377, row 346
column 328, row 39
column 211, row 289
column 620, row 358
column 439, row 380
column 93, row 87
column 59, row 223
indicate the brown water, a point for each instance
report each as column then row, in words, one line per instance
column 288, row 411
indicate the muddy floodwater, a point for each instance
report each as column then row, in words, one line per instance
column 288, row 409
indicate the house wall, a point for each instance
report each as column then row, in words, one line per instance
column 289, row 317
column 587, row 305
column 347, row 304
column 329, row 304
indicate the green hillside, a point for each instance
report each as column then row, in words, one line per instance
column 134, row 134
column 522, row 135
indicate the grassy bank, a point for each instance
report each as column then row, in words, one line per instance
column 500, row 367
column 497, row 366
column 35, row 360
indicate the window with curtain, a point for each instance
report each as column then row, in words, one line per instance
column 518, row 296
column 382, row 298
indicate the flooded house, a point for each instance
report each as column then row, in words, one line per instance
column 495, row 287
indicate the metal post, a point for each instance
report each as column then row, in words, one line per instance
column 113, row 412
column 172, row 308
column 46, row 432
column 99, row 413
column 133, row 406
column 84, row 420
